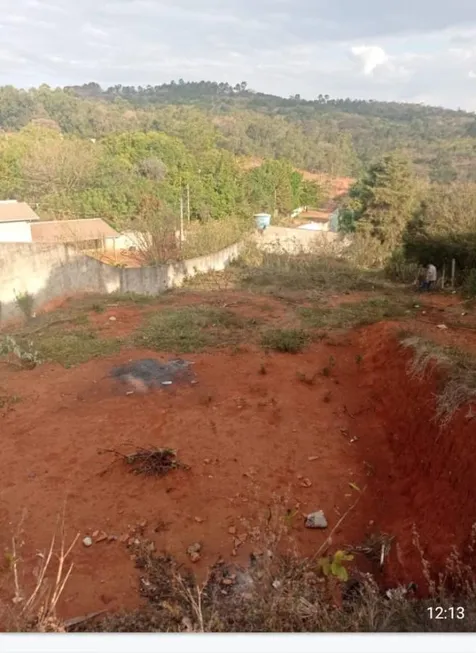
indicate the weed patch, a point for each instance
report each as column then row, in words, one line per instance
column 290, row 341
column 8, row 401
column 276, row 594
column 22, row 351
column 73, row 347
column 459, row 368
column 347, row 316
column 25, row 302
column 303, row 272
column 189, row 329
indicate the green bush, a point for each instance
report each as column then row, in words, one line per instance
column 469, row 286
column 290, row 341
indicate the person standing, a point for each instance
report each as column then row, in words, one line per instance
column 430, row 278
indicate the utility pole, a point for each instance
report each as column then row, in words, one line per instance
column 188, row 203
column 181, row 219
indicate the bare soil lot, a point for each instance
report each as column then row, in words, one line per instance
column 337, row 426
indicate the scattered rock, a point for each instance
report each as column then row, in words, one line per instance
column 124, row 538
column 101, row 537
column 227, row 581
column 95, row 534
column 305, row 482
column 232, row 530
column 87, row 541
column 277, row 584
column 199, row 520
column 441, row 326
column 316, row 520
column 112, row 318
column 313, row 458
column 193, row 551
column 112, row 538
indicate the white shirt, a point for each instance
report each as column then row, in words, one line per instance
column 431, row 273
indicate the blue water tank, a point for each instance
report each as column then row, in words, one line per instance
column 262, row 220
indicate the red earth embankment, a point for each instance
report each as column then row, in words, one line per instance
column 424, row 475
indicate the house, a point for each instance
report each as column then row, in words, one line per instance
column 87, row 233
column 16, row 219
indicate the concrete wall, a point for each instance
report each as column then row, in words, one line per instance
column 51, row 272
column 315, row 226
column 292, row 241
column 15, row 232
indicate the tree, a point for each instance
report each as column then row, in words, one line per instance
column 383, row 202
column 152, row 168
column 442, row 170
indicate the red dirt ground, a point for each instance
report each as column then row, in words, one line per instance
column 251, row 440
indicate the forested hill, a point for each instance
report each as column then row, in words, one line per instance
column 329, row 135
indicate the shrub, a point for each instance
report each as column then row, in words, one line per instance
column 25, row 302
column 289, row 341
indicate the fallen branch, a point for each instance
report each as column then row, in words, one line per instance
column 49, row 324
column 151, row 462
column 328, row 540
column 76, row 621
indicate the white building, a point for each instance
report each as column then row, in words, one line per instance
column 15, row 221
column 20, row 224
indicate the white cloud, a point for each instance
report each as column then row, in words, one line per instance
column 408, row 50
column 369, row 57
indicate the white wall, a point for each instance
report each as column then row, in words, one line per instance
column 15, row 232
column 315, row 226
column 51, row 272
column 293, row 241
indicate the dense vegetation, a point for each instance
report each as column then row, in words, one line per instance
column 125, row 177
column 398, row 219
column 340, row 137
column 136, row 155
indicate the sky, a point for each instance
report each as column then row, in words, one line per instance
column 407, row 50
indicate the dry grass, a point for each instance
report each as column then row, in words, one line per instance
column 283, row 593
column 192, row 328
column 277, row 592
column 458, row 386
column 35, row 609
column 213, row 235
column 353, row 314
column 289, row 341
column 306, row 271
column 150, row 462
